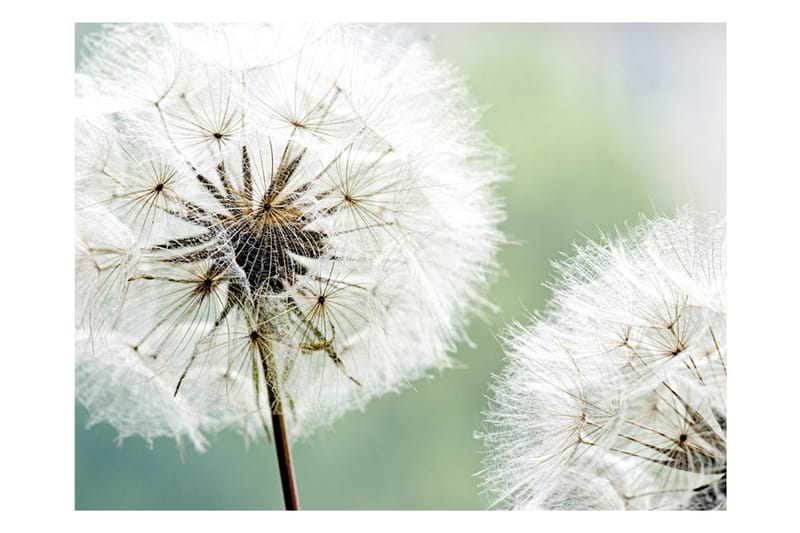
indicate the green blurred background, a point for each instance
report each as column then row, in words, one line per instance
column 600, row 122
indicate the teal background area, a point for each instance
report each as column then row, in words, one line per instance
column 599, row 123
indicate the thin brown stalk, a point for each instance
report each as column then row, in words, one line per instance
column 283, row 451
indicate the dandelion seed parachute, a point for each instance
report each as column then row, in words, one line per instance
column 615, row 396
column 320, row 197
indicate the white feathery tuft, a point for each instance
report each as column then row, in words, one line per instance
column 615, row 396
column 317, row 197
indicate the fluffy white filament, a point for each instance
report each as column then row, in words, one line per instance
column 615, row 396
column 307, row 206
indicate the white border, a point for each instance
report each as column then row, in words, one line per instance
column 37, row 223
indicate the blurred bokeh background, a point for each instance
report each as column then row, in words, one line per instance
column 600, row 122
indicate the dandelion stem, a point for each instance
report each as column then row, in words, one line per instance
column 282, row 450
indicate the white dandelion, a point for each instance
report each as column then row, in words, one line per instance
column 271, row 221
column 615, row 396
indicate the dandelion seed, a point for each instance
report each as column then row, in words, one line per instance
column 615, row 396
column 271, row 220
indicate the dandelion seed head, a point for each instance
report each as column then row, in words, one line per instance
column 614, row 397
column 316, row 196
